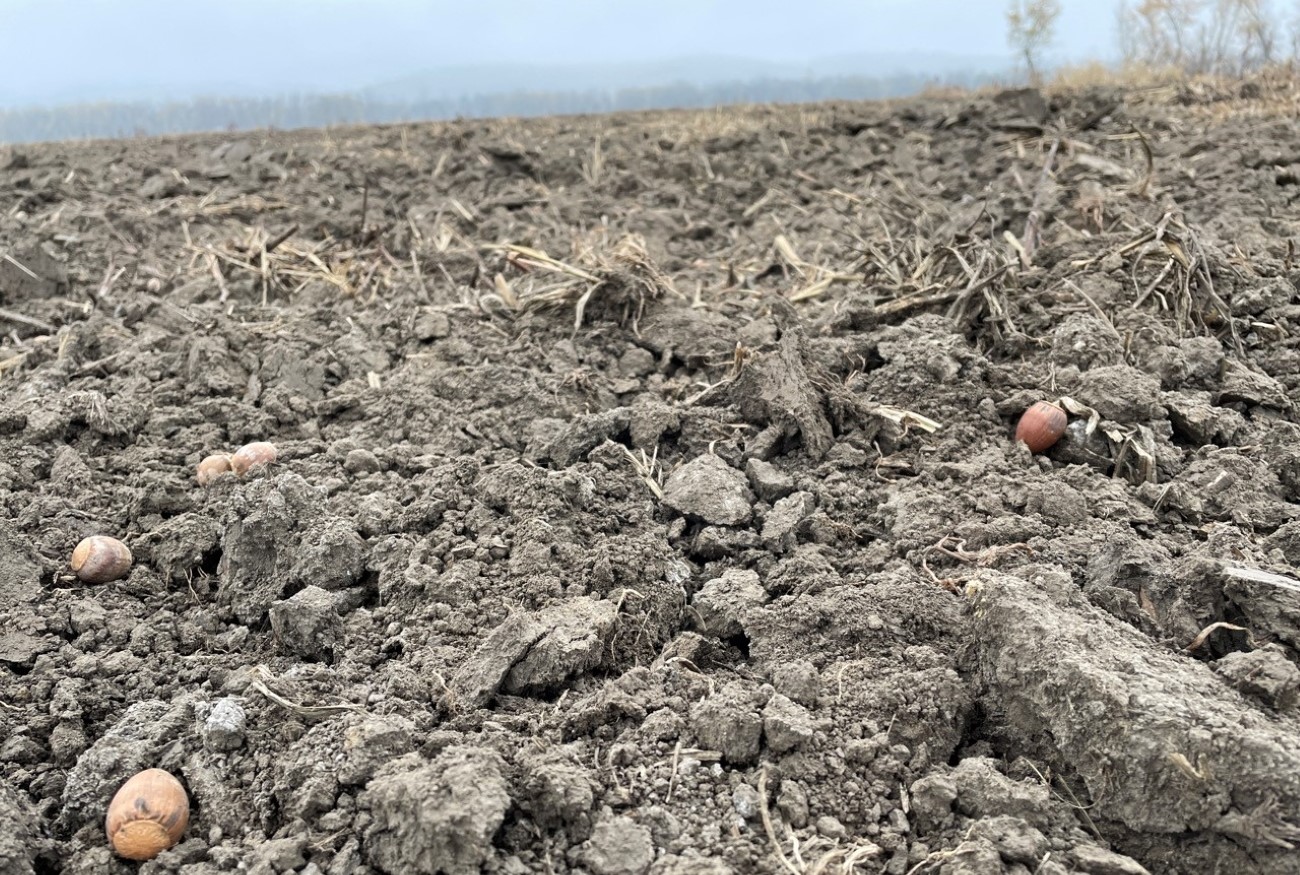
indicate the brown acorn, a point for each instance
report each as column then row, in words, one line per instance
column 1041, row 426
column 99, row 559
column 147, row 815
column 252, row 455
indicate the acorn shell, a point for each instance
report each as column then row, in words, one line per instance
column 212, row 467
column 99, row 559
column 147, row 815
column 251, row 455
column 1041, row 426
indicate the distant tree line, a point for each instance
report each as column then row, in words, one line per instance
column 1215, row 37
column 1207, row 36
column 215, row 114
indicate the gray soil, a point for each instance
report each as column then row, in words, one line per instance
column 647, row 499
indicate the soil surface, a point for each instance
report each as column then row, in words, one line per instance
column 647, row 499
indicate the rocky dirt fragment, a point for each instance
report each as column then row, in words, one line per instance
column 782, row 523
column 20, row 569
column 729, row 721
column 371, row 743
column 29, row 272
column 259, row 547
column 573, row 643
column 709, row 489
column 619, row 846
column 786, row 725
column 308, row 623
column 768, row 481
column 721, row 604
column 1270, row 609
column 575, row 439
column 436, row 817
column 224, row 725
column 1265, row 674
column 536, row 651
column 19, row 649
column 23, row 846
column 558, row 793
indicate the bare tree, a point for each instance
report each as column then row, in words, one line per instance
column 1030, row 26
column 1293, row 35
column 1257, row 34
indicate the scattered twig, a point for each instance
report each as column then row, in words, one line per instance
column 365, row 205
column 274, row 243
column 18, row 264
column 18, row 318
column 1144, row 186
column 1199, row 640
column 1035, row 219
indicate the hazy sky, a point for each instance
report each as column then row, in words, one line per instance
column 60, row 50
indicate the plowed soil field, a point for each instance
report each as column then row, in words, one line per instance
column 647, row 496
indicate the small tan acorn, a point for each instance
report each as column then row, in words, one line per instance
column 213, row 467
column 1041, row 426
column 250, row 456
column 99, row 559
column 147, row 815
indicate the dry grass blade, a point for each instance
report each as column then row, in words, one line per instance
column 845, row 860
column 210, row 206
column 505, row 292
column 813, row 290
column 621, row 276
column 648, row 469
column 767, row 825
column 307, row 712
column 536, row 258
column 1143, row 187
column 1033, row 224
column 785, row 249
column 13, row 361
column 905, row 418
column 281, row 265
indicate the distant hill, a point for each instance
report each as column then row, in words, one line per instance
column 454, row 82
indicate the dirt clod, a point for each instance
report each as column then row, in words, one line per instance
column 619, row 846
column 729, row 722
column 308, row 624
column 709, row 489
column 438, row 817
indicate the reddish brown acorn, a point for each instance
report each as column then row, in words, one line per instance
column 1041, row 426
column 147, row 816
